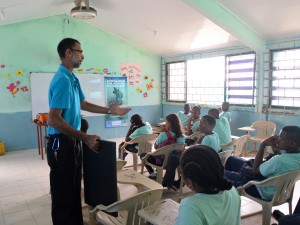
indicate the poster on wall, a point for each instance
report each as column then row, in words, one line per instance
column 116, row 94
column 133, row 71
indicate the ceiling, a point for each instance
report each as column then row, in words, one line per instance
column 168, row 27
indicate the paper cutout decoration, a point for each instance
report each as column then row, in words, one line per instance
column 89, row 69
column 97, row 69
column 145, row 95
column 2, row 66
column 8, row 75
column 24, row 88
column 139, row 90
column 13, row 89
column 105, row 70
column 19, row 72
column 146, row 77
column 80, row 69
column 133, row 72
column 152, row 80
column 149, row 86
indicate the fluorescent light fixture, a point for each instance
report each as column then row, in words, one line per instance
column 83, row 12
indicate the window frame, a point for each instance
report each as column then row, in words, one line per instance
column 168, row 82
column 271, row 80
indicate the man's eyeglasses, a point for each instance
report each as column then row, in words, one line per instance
column 76, row 50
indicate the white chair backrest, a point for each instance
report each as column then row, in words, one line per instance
column 264, row 129
column 166, row 150
column 195, row 135
column 120, row 163
column 284, row 186
column 132, row 205
column 239, row 144
column 145, row 142
column 224, row 155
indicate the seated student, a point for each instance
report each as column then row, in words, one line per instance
column 172, row 135
column 194, row 120
column 225, row 111
column 137, row 128
column 184, row 115
column 288, row 141
column 222, row 128
column 216, row 201
column 209, row 138
column 193, row 124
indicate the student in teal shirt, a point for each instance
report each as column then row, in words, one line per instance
column 225, row 111
column 287, row 141
column 137, row 128
column 184, row 115
column 216, row 201
column 222, row 128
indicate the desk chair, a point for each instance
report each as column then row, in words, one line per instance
column 145, row 143
column 284, row 184
column 166, row 150
column 239, row 145
column 264, row 129
column 224, row 155
column 127, row 209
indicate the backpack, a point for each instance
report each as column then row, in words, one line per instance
column 171, row 140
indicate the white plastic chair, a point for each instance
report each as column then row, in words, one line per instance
column 264, row 129
column 127, row 209
column 145, row 143
column 284, row 185
column 166, row 150
column 239, row 145
column 224, row 155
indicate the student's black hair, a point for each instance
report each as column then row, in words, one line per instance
column 198, row 108
column 214, row 113
column 210, row 119
column 137, row 119
column 175, row 124
column 66, row 43
column 203, row 166
column 225, row 103
column 293, row 133
column 84, row 125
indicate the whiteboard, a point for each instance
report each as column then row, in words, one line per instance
column 92, row 86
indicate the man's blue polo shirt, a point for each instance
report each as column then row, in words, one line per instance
column 65, row 93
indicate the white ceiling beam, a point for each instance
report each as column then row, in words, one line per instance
column 228, row 22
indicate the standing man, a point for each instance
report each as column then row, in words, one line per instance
column 64, row 153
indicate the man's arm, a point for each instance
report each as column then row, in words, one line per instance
column 189, row 126
column 116, row 110
column 56, row 121
column 271, row 141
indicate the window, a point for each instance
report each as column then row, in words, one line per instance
column 211, row 81
column 176, row 82
column 240, row 70
column 285, row 82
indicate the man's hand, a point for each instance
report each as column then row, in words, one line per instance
column 116, row 110
column 92, row 143
column 271, row 141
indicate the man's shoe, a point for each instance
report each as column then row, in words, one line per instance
column 277, row 214
column 153, row 177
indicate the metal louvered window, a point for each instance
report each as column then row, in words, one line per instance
column 240, row 77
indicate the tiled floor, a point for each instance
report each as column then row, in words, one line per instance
column 24, row 191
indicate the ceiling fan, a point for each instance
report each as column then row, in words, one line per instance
column 83, row 12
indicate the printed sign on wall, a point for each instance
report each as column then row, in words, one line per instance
column 116, row 94
column 133, row 72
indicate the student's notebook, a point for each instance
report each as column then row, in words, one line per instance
column 99, row 174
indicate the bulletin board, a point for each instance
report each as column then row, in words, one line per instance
column 91, row 84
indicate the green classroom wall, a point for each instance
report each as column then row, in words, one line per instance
column 31, row 47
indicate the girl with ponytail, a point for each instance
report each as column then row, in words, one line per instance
column 216, row 200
